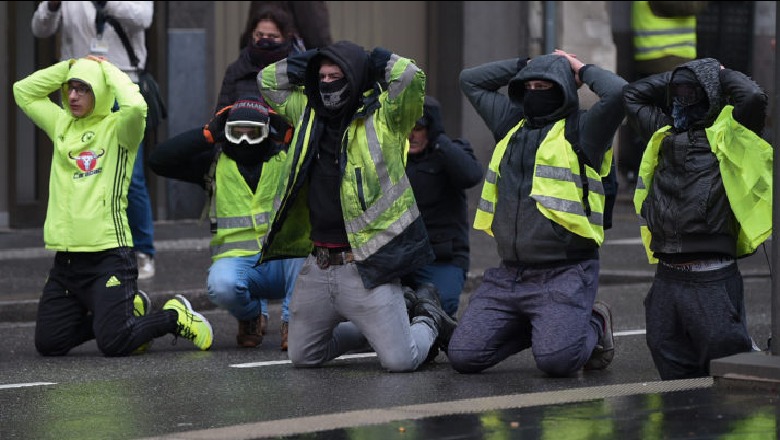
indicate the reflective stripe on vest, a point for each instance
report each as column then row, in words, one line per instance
column 486, row 206
column 390, row 214
column 656, row 37
column 556, row 187
column 239, row 230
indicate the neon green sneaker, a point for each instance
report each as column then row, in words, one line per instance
column 141, row 306
column 191, row 324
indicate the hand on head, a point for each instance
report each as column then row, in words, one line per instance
column 575, row 64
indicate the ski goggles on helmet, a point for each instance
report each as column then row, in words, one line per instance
column 252, row 132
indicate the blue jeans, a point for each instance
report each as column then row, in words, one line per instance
column 448, row 279
column 139, row 208
column 243, row 288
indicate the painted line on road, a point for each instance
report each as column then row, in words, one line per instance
column 31, row 384
column 624, row 241
column 264, row 364
column 372, row 354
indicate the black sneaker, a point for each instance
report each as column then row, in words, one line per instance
column 604, row 351
column 410, row 299
column 428, row 304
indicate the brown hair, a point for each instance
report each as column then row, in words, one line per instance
column 268, row 12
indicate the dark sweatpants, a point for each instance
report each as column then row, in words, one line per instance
column 547, row 309
column 694, row 317
column 89, row 295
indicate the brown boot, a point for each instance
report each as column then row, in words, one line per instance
column 283, row 330
column 250, row 333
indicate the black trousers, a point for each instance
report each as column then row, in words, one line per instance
column 89, row 295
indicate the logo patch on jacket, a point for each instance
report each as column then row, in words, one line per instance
column 113, row 282
column 87, row 161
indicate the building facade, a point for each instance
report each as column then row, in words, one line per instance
column 191, row 43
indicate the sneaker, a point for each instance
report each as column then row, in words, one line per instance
column 250, row 333
column 145, row 266
column 141, row 306
column 605, row 349
column 428, row 304
column 191, row 324
column 410, row 299
column 283, row 330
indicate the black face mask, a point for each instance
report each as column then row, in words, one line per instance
column 542, row 102
column 685, row 116
column 246, row 154
column 266, row 51
column 334, row 94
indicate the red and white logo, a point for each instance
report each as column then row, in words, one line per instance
column 87, row 160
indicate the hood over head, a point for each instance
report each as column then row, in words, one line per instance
column 91, row 73
column 353, row 61
column 553, row 68
column 432, row 118
column 706, row 72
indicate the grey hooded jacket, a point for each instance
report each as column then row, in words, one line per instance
column 522, row 233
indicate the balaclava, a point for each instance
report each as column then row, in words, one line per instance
column 538, row 103
column 266, row 51
column 689, row 101
column 250, row 109
column 334, row 94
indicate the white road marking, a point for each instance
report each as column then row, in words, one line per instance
column 31, row 384
column 264, row 364
column 372, row 354
column 624, row 241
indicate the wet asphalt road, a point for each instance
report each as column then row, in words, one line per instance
column 175, row 391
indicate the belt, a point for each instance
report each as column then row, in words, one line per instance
column 701, row 265
column 327, row 257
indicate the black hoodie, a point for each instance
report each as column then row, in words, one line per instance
column 440, row 175
column 324, row 201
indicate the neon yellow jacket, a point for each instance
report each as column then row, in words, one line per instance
column 93, row 155
column 383, row 224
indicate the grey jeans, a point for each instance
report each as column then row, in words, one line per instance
column 331, row 313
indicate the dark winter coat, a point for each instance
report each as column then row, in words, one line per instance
column 440, row 176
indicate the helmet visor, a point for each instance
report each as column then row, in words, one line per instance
column 250, row 131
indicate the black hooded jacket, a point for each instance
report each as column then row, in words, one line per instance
column 324, row 201
column 440, row 175
column 686, row 209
